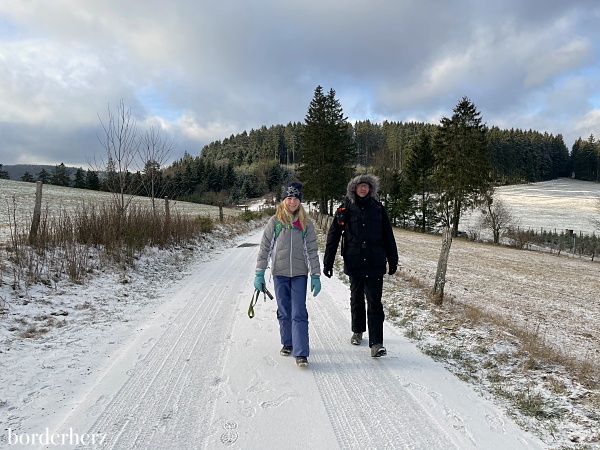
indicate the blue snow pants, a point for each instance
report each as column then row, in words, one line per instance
column 290, row 293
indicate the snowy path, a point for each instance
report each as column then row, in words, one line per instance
column 202, row 375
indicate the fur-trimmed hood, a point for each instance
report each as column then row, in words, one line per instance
column 371, row 180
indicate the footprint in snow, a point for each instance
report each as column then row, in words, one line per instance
column 270, row 361
column 230, row 436
column 278, row 401
column 249, row 411
column 496, row 423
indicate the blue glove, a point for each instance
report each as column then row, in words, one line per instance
column 259, row 280
column 315, row 285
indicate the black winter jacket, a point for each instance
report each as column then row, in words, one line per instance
column 368, row 240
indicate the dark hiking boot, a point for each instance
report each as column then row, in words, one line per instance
column 285, row 351
column 378, row 350
column 356, row 338
column 301, row 361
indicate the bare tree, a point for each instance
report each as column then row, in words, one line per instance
column 496, row 216
column 155, row 150
column 122, row 147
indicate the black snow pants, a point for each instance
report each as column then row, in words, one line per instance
column 372, row 288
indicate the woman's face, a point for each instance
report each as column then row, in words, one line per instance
column 292, row 204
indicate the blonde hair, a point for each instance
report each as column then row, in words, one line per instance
column 284, row 215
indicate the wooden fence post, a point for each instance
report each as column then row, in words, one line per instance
column 37, row 213
column 167, row 212
column 167, row 216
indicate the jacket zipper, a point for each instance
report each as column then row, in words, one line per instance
column 291, row 250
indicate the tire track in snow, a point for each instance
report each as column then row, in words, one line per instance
column 365, row 403
column 166, row 399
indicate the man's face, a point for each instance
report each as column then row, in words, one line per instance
column 362, row 189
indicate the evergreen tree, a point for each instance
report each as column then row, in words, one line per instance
column 92, row 181
column 79, row 181
column 151, row 181
column 461, row 175
column 585, row 159
column 462, row 163
column 418, row 171
column 110, row 182
column 27, row 177
column 398, row 202
column 213, row 180
column 229, row 177
column 3, row 174
column 560, row 157
column 60, row 176
column 43, row 176
column 326, row 159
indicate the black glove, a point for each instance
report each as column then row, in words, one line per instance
column 328, row 271
column 392, row 270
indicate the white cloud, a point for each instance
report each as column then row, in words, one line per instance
column 589, row 124
column 547, row 66
column 211, row 69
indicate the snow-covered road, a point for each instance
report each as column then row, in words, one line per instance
column 200, row 374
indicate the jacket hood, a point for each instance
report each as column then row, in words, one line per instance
column 372, row 180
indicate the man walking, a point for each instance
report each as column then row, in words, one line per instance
column 368, row 243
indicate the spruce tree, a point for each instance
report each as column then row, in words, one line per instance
column 60, row 176
column 418, row 171
column 461, row 175
column 462, row 162
column 43, row 176
column 328, row 153
column 92, row 181
column 27, row 177
column 79, row 180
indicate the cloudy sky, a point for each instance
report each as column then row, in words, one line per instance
column 202, row 70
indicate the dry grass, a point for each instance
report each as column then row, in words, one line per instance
column 549, row 302
column 72, row 243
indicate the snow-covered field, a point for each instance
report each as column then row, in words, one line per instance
column 556, row 205
column 17, row 200
column 166, row 357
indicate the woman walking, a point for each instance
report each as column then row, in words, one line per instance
column 289, row 244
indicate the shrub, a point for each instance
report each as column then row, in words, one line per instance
column 205, row 224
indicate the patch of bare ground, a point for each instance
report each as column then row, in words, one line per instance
column 522, row 326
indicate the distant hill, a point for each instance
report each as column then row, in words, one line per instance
column 16, row 171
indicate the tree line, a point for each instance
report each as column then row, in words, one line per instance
column 252, row 164
column 430, row 174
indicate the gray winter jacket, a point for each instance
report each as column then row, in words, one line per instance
column 293, row 253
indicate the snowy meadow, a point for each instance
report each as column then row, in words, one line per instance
column 556, row 205
column 17, row 201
